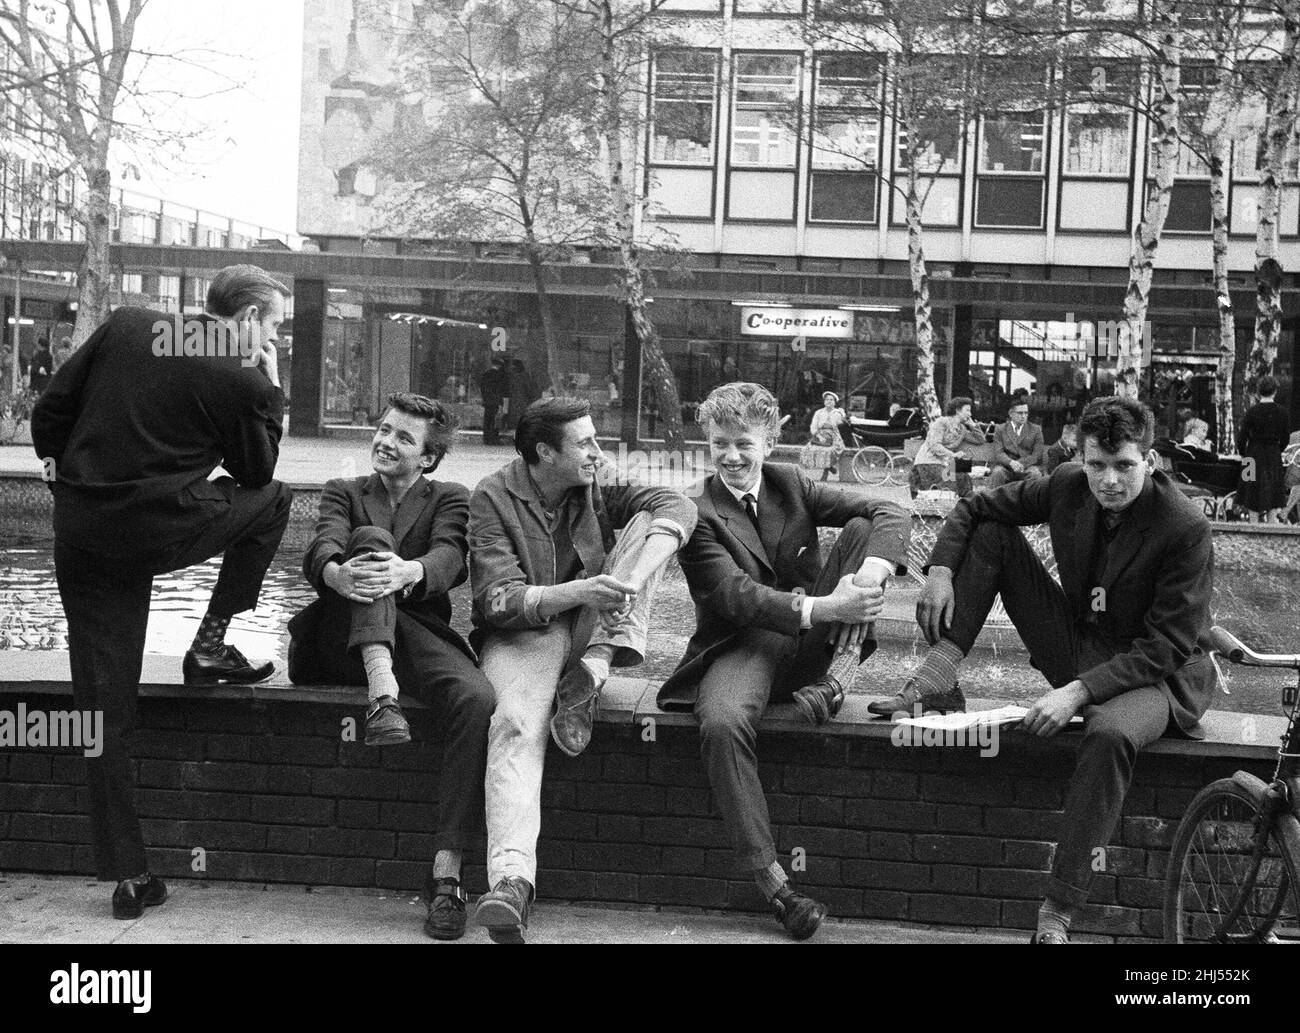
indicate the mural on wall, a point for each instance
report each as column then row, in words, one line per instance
column 350, row 99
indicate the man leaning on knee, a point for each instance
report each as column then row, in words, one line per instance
column 1123, row 639
column 557, row 602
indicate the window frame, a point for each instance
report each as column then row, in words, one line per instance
column 851, row 168
column 796, row 102
column 716, row 57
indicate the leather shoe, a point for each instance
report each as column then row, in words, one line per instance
column 504, row 911
column 819, row 702
column 132, row 896
column 575, row 713
column 912, row 702
column 227, row 665
column 446, row 901
column 1049, row 937
column 799, row 915
column 386, row 724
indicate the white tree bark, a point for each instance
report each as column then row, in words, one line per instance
column 1166, row 85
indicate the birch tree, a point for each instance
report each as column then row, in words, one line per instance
column 74, row 58
column 928, row 75
column 1279, row 84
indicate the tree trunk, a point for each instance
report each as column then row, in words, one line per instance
column 1279, row 127
column 654, row 363
column 926, row 396
column 1225, row 437
column 549, row 333
column 1146, row 237
column 94, row 286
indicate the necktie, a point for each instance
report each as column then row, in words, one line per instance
column 750, row 507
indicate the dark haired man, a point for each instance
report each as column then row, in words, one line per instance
column 133, row 437
column 388, row 549
column 556, row 603
column 1123, row 639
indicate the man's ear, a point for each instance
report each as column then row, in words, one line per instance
column 1153, row 460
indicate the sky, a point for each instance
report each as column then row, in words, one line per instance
column 241, row 155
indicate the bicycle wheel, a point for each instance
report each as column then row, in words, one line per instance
column 871, row 465
column 1216, row 890
column 900, row 470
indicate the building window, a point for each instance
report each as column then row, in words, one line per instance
column 768, row 7
column 1012, row 145
column 685, row 93
column 940, row 154
column 764, row 119
column 845, row 140
column 1012, row 141
column 1097, row 142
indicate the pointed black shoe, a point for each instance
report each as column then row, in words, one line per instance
column 912, row 702
column 229, row 665
column 131, row 897
column 799, row 915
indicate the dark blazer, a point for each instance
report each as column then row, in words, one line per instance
column 134, row 435
column 1156, row 619
column 741, row 577
column 429, row 526
column 1027, row 446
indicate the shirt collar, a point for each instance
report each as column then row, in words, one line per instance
column 739, row 495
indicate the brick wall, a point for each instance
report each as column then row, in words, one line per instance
column 270, row 792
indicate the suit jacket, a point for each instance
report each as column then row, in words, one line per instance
column 741, row 577
column 512, row 549
column 134, row 435
column 1155, row 620
column 429, row 527
column 1027, row 446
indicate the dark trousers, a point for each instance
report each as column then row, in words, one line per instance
column 765, row 666
column 999, row 559
column 429, row 667
column 106, row 601
column 491, row 435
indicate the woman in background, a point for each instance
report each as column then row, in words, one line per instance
column 1263, row 436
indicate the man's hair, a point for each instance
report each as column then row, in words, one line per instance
column 439, row 423
column 742, row 404
column 1267, row 386
column 1113, row 420
column 544, row 421
column 1017, row 402
column 237, row 286
column 956, row 404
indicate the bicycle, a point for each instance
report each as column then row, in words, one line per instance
column 1232, row 875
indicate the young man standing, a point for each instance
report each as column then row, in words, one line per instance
column 772, row 621
column 556, row 604
column 133, row 433
column 1123, row 639
column 388, row 549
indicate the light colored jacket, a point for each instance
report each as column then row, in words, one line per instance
column 947, row 434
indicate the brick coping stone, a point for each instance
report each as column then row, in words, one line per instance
column 625, row 701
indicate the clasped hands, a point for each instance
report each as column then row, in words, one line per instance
column 856, row 601
column 372, row 575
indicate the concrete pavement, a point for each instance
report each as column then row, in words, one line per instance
column 39, row 909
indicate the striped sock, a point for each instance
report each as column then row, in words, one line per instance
column 938, row 671
column 378, row 662
column 1054, row 917
column 771, row 879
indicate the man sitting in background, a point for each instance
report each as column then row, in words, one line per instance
column 1064, row 450
column 1018, row 447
